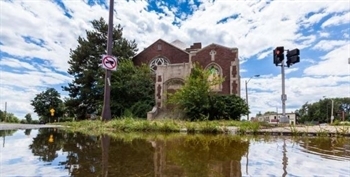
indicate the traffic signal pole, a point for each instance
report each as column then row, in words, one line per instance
column 283, row 96
column 278, row 60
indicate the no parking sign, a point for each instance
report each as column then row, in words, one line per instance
column 109, row 62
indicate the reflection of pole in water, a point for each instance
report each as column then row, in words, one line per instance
column 3, row 141
column 105, row 142
column 246, row 166
column 284, row 159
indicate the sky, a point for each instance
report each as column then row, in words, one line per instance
column 36, row 37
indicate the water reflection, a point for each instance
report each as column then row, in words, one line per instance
column 333, row 148
column 46, row 152
column 192, row 155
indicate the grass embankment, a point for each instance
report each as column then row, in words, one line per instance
column 165, row 125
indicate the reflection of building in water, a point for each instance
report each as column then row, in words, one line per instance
column 161, row 168
column 164, row 167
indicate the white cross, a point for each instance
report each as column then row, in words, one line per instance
column 212, row 53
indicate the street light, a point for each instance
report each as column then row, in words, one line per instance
column 246, row 92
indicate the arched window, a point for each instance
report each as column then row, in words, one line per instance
column 156, row 62
column 215, row 74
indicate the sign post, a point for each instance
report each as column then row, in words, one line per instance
column 52, row 111
column 106, row 110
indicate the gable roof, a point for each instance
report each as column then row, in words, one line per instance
column 161, row 40
column 229, row 48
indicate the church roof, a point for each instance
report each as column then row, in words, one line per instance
column 179, row 44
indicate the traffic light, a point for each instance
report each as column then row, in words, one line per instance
column 293, row 57
column 278, row 55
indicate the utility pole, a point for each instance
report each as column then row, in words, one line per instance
column 5, row 118
column 332, row 116
column 106, row 110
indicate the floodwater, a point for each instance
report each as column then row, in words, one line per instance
column 53, row 152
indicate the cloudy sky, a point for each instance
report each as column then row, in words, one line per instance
column 36, row 36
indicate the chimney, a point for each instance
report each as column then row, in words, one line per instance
column 194, row 47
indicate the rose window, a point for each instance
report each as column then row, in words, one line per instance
column 156, row 62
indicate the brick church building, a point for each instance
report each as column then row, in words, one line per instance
column 172, row 63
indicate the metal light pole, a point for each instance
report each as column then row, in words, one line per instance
column 106, row 110
column 246, row 92
column 283, row 96
column 332, row 116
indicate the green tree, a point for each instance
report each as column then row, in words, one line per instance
column 198, row 101
column 270, row 112
column 86, row 89
column 46, row 100
column 132, row 89
column 2, row 116
column 28, row 118
column 10, row 117
column 321, row 111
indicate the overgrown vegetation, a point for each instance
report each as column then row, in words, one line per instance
column 199, row 102
column 127, row 124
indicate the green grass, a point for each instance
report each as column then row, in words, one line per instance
column 128, row 124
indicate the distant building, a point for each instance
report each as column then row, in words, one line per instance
column 274, row 118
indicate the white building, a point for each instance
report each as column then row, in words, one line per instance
column 274, row 118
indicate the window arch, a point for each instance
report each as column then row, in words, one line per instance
column 215, row 73
column 158, row 61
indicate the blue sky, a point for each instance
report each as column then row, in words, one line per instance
column 36, row 37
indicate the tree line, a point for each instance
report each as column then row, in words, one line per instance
column 132, row 87
column 321, row 111
column 11, row 118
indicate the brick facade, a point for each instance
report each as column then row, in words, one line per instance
column 179, row 63
column 161, row 48
column 223, row 57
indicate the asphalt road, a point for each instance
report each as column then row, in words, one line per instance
column 9, row 126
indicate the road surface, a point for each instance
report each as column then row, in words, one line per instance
column 9, row 126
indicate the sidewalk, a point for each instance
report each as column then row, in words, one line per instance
column 322, row 129
column 11, row 126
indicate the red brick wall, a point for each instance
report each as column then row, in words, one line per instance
column 172, row 53
column 223, row 58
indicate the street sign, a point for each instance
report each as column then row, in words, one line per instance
column 52, row 111
column 109, row 62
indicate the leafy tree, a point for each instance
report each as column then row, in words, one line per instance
column 2, row 116
column 270, row 112
column 199, row 102
column 132, row 89
column 45, row 101
column 321, row 111
column 258, row 114
column 8, row 117
column 86, row 89
column 28, row 118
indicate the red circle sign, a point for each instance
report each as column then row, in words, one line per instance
column 109, row 62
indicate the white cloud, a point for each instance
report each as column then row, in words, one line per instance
column 273, row 151
column 256, row 29
column 326, row 45
column 337, row 20
column 333, row 63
